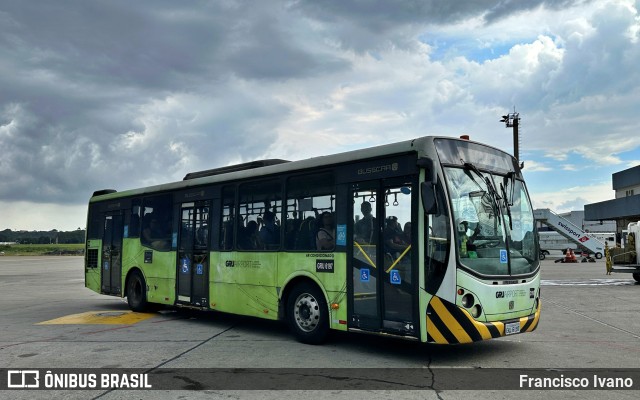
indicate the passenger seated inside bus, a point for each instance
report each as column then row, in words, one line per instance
column 326, row 233
column 270, row 231
column 155, row 233
column 394, row 243
column 406, row 233
column 290, row 233
column 305, row 238
column 249, row 238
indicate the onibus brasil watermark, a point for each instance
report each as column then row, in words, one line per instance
column 319, row 379
column 31, row 379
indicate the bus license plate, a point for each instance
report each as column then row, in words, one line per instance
column 512, row 328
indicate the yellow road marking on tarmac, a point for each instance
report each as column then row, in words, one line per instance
column 100, row 318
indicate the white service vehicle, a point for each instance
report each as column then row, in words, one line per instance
column 625, row 259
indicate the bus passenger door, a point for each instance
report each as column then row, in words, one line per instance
column 112, row 254
column 192, row 273
column 383, row 294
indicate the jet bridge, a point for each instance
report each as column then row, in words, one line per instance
column 570, row 231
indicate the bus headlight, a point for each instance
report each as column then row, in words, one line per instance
column 468, row 300
column 476, row 311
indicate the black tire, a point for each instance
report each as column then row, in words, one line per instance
column 542, row 255
column 137, row 292
column 636, row 276
column 598, row 255
column 308, row 314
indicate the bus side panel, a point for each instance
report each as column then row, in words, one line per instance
column 93, row 261
column 329, row 270
column 161, row 277
column 244, row 283
column 425, row 299
column 159, row 274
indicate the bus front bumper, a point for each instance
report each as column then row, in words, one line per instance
column 450, row 324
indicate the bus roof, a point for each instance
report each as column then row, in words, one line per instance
column 254, row 169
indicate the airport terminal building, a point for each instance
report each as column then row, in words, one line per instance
column 625, row 208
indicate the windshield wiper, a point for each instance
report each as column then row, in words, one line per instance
column 493, row 194
column 510, row 179
column 507, row 206
column 468, row 166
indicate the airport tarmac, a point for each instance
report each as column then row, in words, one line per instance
column 48, row 319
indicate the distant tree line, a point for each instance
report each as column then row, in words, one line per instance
column 43, row 237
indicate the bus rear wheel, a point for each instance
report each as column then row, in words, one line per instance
column 137, row 292
column 308, row 314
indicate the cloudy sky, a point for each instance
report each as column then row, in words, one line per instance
column 123, row 94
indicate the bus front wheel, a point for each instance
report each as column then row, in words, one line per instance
column 308, row 314
column 137, row 292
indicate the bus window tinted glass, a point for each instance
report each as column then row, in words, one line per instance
column 94, row 228
column 132, row 221
column 260, row 206
column 228, row 218
column 156, row 222
column 437, row 250
column 310, row 217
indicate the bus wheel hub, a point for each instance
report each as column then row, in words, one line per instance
column 307, row 312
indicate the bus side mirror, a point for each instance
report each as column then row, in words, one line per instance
column 429, row 198
column 428, row 189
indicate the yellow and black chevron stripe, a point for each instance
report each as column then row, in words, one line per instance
column 450, row 324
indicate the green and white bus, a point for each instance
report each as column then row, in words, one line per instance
column 431, row 239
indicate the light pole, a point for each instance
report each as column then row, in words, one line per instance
column 512, row 120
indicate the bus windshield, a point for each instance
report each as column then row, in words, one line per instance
column 493, row 220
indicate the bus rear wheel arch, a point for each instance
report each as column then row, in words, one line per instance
column 307, row 313
column 136, row 291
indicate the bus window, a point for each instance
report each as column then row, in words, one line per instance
column 132, row 221
column 260, row 206
column 437, row 235
column 156, row 223
column 95, row 223
column 228, row 217
column 310, row 214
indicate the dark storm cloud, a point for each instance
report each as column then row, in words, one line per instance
column 89, row 91
column 278, row 58
column 121, row 42
column 365, row 25
column 505, row 8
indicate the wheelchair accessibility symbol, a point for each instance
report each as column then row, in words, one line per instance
column 394, row 277
column 503, row 257
column 185, row 266
column 364, row 275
